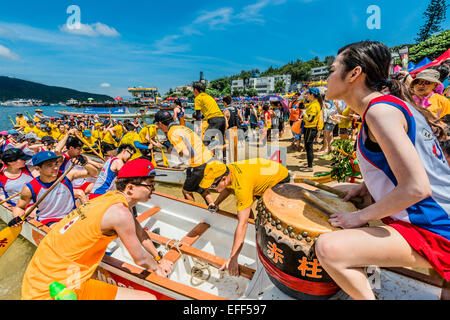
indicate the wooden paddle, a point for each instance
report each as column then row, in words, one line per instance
column 9, row 234
column 12, row 197
column 341, row 194
column 12, row 121
column 92, row 149
column 153, row 159
column 166, row 162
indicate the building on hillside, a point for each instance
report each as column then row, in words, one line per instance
column 264, row 85
column 320, row 73
column 179, row 89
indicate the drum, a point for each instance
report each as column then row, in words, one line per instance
column 287, row 228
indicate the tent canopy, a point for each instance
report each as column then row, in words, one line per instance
column 436, row 62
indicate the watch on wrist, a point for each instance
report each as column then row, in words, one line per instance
column 157, row 258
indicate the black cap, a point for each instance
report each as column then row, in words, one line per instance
column 163, row 116
column 14, row 154
column 48, row 139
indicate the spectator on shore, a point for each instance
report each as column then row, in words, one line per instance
column 423, row 87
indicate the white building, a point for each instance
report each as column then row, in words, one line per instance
column 179, row 89
column 319, row 73
column 264, row 85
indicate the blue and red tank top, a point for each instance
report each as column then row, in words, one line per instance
column 432, row 213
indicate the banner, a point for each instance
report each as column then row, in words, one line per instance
column 404, row 57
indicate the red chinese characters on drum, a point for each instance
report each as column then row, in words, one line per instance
column 287, row 229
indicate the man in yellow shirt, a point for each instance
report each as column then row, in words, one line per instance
column 29, row 128
column 38, row 130
column 118, row 129
column 21, row 121
column 311, row 119
column 190, row 148
column 132, row 138
column 206, row 105
column 247, row 179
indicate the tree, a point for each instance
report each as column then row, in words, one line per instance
column 280, row 86
column 434, row 15
column 252, row 92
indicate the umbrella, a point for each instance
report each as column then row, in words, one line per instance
column 272, row 97
column 118, row 98
column 436, row 62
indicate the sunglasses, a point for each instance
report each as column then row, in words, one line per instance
column 151, row 186
column 216, row 183
column 423, row 82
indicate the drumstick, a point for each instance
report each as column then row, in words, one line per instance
column 341, row 194
column 323, row 206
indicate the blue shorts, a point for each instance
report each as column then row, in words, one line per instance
column 297, row 136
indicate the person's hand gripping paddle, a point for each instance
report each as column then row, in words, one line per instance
column 10, row 233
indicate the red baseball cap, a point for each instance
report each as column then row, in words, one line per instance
column 138, row 168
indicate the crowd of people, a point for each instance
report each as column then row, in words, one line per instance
column 398, row 123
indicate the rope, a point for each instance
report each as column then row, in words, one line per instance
column 197, row 272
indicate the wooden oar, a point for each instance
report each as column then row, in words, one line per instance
column 12, row 197
column 153, row 159
column 12, row 121
column 31, row 117
column 92, row 149
column 341, row 194
column 9, row 234
column 166, row 162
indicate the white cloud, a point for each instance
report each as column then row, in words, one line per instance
column 219, row 17
column 8, row 54
column 105, row 85
column 90, row 30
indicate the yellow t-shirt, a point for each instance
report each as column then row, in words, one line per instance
column 21, row 122
column 71, row 251
column 130, row 138
column 118, row 131
column 150, row 131
column 28, row 129
column 253, row 177
column 97, row 134
column 440, row 105
column 39, row 132
column 208, row 106
column 345, row 123
column 56, row 134
column 108, row 138
column 312, row 110
column 182, row 137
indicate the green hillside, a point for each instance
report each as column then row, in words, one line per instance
column 12, row 88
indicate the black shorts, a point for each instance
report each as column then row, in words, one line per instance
column 194, row 175
column 345, row 131
column 217, row 123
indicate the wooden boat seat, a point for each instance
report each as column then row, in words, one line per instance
column 186, row 248
column 147, row 214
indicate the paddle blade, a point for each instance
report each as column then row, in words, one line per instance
column 7, row 236
column 166, row 162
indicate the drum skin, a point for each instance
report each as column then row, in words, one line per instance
column 287, row 228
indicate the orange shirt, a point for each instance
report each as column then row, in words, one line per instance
column 295, row 113
column 71, row 251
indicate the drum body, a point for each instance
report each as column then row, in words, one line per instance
column 287, row 228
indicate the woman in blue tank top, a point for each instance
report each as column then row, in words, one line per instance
column 404, row 171
column 178, row 112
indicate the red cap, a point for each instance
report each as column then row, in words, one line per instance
column 136, row 169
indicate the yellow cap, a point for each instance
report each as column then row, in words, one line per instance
column 98, row 124
column 213, row 170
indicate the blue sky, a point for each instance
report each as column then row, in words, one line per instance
column 166, row 44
